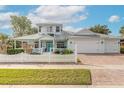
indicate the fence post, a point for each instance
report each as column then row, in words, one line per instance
column 75, row 53
column 50, row 56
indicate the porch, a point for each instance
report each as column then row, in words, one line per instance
column 39, row 44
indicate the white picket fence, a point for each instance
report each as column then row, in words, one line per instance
column 45, row 57
column 37, row 58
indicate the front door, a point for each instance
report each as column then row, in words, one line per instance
column 49, row 45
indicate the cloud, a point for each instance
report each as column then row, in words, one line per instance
column 2, row 7
column 58, row 14
column 5, row 19
column 114, row 18
column 72, row 29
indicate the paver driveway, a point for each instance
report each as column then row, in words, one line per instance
column 107, row 77
column 113, row 68
column 102, row 59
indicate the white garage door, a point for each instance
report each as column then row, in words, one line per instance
column 111, row 46
column 88, row 46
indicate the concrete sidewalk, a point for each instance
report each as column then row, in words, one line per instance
column 61, row 66
column 61, row 86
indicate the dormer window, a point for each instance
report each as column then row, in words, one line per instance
column 57, row 29
column 40, row 28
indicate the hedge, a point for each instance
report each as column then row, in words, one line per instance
column 14, row 51
column 122, row 50
column 65, row 51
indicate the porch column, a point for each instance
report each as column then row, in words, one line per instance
column 40, row 45
column 14, row 44
column 53, row 44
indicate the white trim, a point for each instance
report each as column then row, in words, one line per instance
column 75, row 53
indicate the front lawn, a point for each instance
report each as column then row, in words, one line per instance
column 45, row 77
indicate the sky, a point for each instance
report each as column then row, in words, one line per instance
column 74, row 18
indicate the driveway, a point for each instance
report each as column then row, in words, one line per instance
column 112, row 72
column 102, row 59
column 107, row 77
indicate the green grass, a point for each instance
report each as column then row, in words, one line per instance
column 45, row 77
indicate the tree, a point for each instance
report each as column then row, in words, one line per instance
column 3, row 38
column 21, row 25
column 33, row 31
column 122, row 31
column 103, row 29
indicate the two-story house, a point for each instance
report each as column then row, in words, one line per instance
column 49, row 36
column 52, row 35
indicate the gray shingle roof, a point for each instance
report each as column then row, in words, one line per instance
column 87, row 32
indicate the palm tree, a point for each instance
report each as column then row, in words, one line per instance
column 103, row 29
column 122, row 31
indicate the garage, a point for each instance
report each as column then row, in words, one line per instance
column 97, row 45
column 88, row 46
column 90, row 42
column 112, row 46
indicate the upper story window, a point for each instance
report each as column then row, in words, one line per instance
column 50, row 28
column 57, row 29
column 40, row 28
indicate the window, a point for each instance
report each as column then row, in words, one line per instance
column 60, row 45
column 50, row 28
column 36, row 44
column 57, row 29
column 51, row 34
column 40, row 28
column 61, row 29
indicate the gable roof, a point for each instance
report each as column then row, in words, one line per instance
column 84, row 32
column 87, row 32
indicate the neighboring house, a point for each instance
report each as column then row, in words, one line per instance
column 53, row 36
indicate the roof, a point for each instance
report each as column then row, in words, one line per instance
column 107, row 36
column 84, row 32
column 65, row 35
column 45, row 24
column 35, row 37
column 28, row 37
column 87, row 32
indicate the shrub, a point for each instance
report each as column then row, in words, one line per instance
column 64, row 51
column 122, row 50
column 14, row 51
column 57, row 51
column 78, row 60
column 67, row 51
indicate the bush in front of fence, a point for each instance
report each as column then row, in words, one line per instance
column 122, row 50
column 14, row 51
column 64, row 51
